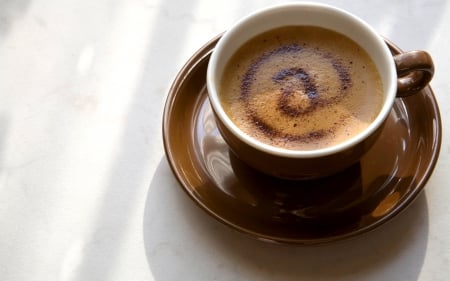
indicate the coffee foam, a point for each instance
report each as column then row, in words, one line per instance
column 301, row 88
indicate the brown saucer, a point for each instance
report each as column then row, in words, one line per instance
column 386, row 180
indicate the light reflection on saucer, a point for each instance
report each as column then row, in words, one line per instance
column 386, row 180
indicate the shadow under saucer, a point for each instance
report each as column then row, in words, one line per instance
column 386, row 180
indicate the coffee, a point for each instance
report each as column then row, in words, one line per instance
column 301, row 88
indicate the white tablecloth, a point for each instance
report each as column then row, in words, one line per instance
column 86, row 192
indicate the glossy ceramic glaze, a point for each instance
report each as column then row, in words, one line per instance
column 370, row 192
column 415, row 70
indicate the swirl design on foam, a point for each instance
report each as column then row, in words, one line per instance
column 298, row 91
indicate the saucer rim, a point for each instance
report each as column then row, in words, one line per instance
column 204, row 53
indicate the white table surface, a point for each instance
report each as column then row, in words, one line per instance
column 86, row 192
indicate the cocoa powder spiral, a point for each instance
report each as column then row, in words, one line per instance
column 300, row 93
column 306, row 86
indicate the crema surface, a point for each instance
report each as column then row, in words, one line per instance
column 301, row 88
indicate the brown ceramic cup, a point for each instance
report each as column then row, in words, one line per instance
column 401, row 75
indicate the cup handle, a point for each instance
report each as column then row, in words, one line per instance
column 414, row 70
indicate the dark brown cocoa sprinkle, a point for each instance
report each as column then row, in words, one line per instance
column 263, row 127
column 309, row 137
column 344, row 75
column 300, row 74
column 249, row 76
column 288, row 88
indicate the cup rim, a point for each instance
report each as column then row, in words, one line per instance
column 390, row 89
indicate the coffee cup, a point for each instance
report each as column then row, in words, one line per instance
column 302, row 90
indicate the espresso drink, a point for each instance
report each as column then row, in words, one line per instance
column 301, row 87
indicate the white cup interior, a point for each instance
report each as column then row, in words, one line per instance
column 311, row 14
